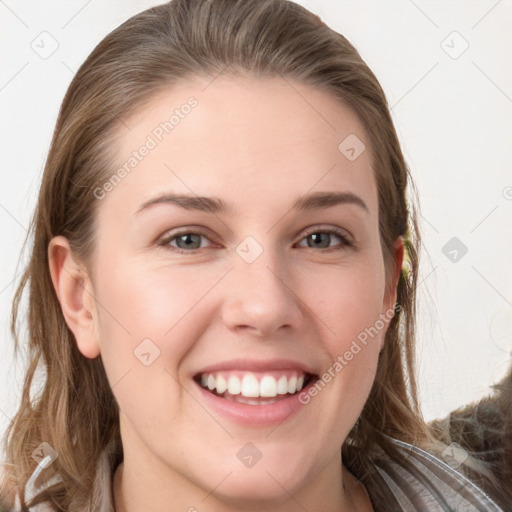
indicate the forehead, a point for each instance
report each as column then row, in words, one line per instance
column 246, row 139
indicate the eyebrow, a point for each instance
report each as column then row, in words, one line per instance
column 214, row 205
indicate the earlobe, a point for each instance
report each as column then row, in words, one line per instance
column 76, row 297
column 391, row 289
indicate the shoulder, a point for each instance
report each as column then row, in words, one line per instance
column 101, row 498
column 417, row 480
column 10, row 501
column 13, row 495
column 15, row 506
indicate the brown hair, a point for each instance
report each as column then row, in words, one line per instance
column 75, row 412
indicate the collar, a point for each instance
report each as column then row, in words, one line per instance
column 102, row 498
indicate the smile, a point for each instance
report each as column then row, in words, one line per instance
column 254, row 388
column 255, row 393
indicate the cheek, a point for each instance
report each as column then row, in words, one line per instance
column 150, row 316
column 149, row 302
column 350, row 303
column 148, row 322
column 353, row 324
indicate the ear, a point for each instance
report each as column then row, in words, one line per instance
column 74, row 290
column 390, row 296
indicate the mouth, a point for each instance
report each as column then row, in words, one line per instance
column 255, row 388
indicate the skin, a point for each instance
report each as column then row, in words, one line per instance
column 258, row 144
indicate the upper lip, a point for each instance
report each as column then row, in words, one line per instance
column 253, row 365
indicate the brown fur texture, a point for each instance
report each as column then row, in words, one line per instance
column 484, row 430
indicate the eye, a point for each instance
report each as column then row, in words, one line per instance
column 186, row 241
column 321, row 238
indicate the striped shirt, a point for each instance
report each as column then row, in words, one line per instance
column 423, row 483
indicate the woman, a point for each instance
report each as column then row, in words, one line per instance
column 264, row 368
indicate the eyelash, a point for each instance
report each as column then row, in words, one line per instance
column 345, row 242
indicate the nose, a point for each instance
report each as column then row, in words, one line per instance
column 261, row 297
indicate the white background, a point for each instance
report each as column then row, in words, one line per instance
column 453, row 117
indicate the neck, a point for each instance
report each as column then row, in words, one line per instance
column 135, row 490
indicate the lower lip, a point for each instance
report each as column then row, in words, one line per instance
column 254, row 415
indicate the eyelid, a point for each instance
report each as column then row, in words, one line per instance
column 170, row 235
column 329, row 229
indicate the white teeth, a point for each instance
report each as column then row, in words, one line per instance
column 268, row 386
column 292, row 384
column 250, row 387
column 282, row 385
column 222, row 385
column 234, row 386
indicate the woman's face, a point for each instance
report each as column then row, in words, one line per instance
column 274, row 288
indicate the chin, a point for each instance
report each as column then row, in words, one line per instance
column 266, row 482
column 253, row 492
